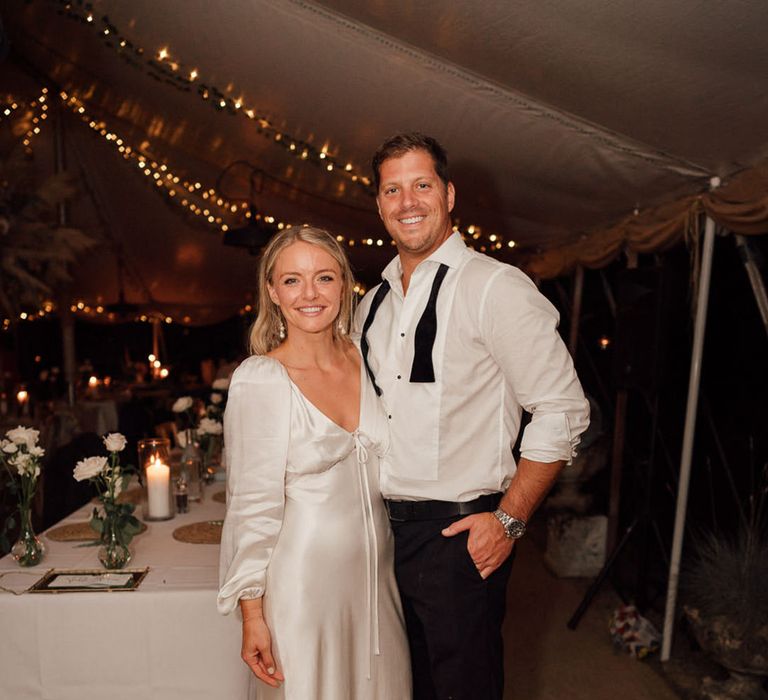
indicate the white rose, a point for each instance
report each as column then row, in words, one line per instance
column 10, row 448
column 221, row 384
column 216, row 398
column 115, row 442
column 209, row 426
column 22, row 462
column 182, row 404
column 36, row 451
column 23, row 436
column 90, row 467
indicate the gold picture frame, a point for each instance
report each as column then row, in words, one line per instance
column 88, row 580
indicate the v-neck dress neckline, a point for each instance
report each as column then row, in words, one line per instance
column 313, row 406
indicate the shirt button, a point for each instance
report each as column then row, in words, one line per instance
column 399, row 376
column 389, row 416
column 402, row 335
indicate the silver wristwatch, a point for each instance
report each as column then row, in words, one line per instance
column 514, row 528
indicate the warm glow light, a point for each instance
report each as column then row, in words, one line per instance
column 158, row 482
column 163, row 372
column 151, row 357
column 93, row 381
column 22, row 396
column 604, row 342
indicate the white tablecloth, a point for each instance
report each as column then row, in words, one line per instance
column 164, row 641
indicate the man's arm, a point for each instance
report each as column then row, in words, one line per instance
column 519, row 327
column 487, row 544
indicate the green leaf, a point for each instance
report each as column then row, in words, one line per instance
column 133, row 525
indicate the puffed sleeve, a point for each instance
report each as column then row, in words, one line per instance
column 256, row 433
column 520, row 327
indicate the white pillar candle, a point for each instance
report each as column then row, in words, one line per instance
column 158, row 489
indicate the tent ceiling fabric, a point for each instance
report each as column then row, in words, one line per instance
column 560, row 118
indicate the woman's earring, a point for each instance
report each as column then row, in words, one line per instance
column 281, row 330
column 342, row 330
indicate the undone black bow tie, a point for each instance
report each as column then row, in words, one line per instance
column 422, row 370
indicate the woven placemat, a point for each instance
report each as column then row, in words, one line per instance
column 76, row 532
column 129, row 496
column 220, row 497
column 206, row 532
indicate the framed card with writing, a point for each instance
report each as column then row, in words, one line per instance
column 82, row 580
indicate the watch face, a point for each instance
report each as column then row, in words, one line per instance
column 516, row 528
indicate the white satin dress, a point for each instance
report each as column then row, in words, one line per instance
column 306, row 527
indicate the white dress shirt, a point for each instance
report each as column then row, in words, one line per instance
column 496, row 352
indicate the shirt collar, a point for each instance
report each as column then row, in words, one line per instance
column 450, row 253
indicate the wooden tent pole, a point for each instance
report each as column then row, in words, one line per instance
column 69, row 360
column 694, row 379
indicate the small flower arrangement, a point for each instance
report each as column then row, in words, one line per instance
column 20, row 453
column 183, row 407
column 218, row 399
column 115, row 523
column 209, row 433
column 202, row 427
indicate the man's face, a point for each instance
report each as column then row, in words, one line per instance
column 414, row 204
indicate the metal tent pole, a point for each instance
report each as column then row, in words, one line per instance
column 755, row 278
column 578, row 293
column 688, row 435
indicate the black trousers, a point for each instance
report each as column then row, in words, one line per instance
column 453, row 616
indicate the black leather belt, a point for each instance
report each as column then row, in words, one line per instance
column 402, row 511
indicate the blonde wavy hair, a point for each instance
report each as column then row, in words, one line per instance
column 265, row 332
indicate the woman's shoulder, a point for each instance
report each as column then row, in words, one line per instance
column 260, row 369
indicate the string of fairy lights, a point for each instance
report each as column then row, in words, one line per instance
column 162, row 65
column 35, row 112
column 169, row 69
column 216, row 210
column 202, row 203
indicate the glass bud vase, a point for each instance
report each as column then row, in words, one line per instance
column 191, row 468
column 28, row 550
column 113, row 554
column 212, row 458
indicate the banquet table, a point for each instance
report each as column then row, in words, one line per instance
column 163, row 641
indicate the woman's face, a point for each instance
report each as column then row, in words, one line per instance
column 306, row 285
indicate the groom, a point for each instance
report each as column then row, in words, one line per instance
column 457, row 344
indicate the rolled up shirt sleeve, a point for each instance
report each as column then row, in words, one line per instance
column 256, row 435
column 520, row 328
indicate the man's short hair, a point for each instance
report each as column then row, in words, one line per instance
column 400, row 144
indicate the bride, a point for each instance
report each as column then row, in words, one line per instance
column 306, row 550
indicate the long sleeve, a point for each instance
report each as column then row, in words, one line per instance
column 519, row 325
column 256, row 434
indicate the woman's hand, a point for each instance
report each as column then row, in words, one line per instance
column 256, row 650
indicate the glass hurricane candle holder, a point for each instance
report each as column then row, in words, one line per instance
column 157, row 494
